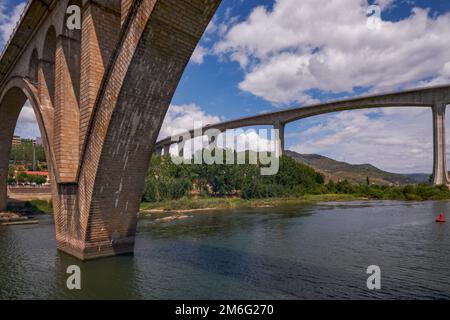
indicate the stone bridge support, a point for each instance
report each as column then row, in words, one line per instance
column 100, row 96
column 66, row 125
column 98, row 215
column 440, row 173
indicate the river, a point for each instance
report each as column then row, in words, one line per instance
column 319, row 251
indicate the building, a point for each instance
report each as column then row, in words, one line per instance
column 16, row 141
column 38, row 141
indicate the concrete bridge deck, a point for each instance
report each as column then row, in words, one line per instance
column 435, row 98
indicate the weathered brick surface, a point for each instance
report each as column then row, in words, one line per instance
column 100, row 31
column 125, row 9
column 100, row 97
column 66, row 108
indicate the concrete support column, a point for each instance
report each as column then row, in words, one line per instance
column 158, row 151
column 181, row 149
column 440, row 173
column 166, row 149
column 213, row 136
column 279, row 138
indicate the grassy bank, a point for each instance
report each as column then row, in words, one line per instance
column 31, row 207
column 188, row 204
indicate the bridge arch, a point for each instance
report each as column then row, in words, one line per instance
column 398, row 140
column 48, row 65
column 33, row 68
column 14, row 96
column 68, row 53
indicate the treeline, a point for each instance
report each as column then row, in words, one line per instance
column 21, row 177
column 169, row 181
column 23, row 153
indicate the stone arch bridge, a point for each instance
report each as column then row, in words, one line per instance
column 100, row 95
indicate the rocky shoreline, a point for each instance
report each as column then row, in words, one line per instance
column 11, row 218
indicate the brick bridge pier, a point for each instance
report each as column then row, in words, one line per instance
column 100, row 95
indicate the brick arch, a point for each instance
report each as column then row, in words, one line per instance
column 69, row 48
column 48, row 64
column 156, row 43
column 33, row 68
column 12, row 99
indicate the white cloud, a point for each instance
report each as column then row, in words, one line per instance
column 396, row 140
column 296, row 47
column 199, row 54
column 385, row 4
column 182, row 118
column 27, row 126
column 8, row 20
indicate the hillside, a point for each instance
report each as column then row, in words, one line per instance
column 337, row 170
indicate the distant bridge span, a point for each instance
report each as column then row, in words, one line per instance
column 435, row 98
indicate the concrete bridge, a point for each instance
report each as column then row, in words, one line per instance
column 100, row 94
column 435, row 98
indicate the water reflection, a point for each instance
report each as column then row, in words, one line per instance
column 316, row 251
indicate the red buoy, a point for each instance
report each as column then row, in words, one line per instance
column 441, row 218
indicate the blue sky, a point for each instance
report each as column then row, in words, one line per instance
column 263, row 55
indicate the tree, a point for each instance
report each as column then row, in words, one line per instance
column 37, row 179
column 22, row 177
column 11, row 174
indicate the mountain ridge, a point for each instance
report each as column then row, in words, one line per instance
column 357, row 173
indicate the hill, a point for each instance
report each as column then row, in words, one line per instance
column 356, row 173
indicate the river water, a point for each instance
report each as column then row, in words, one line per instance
column 319, row 251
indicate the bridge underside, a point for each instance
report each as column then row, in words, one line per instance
column 436, row 98
column 102, row 101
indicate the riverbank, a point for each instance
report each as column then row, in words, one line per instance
column 30, row 207
column 206, row 204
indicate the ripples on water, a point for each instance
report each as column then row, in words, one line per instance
column 318, row 251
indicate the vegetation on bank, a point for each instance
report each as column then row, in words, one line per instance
column 18, row 175
column 189, row 203
column 173, row 186
column 23, row 153
column 32, row 207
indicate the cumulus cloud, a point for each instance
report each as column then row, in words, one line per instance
column 199, row 54
column 182, row 118
column 8, row 20
column 27, row 126
column 294, row 48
